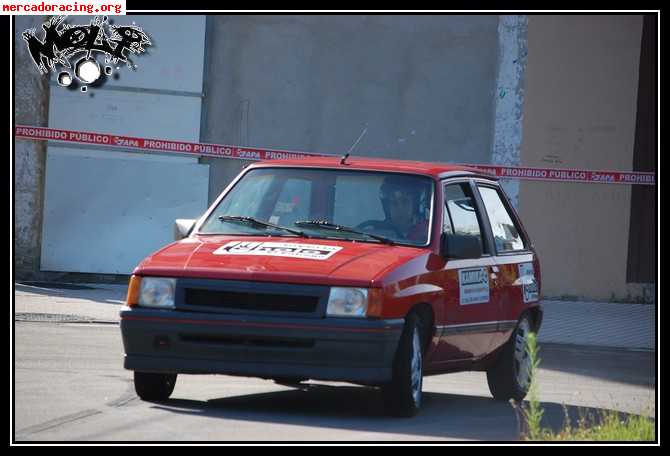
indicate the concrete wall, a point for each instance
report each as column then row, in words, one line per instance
column 509, row 96
column 31, row 107
column 580, row 108
column 422, row 85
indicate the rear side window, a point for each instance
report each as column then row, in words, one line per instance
column 460, row 215
column 506, row 234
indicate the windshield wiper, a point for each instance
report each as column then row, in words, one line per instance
column 259, row 223
column 345, row 229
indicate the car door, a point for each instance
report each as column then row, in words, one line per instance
column 470, row 310
column 515, row 280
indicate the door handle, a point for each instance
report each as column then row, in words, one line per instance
column 494, row 273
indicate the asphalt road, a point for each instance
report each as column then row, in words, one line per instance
column 69, row 385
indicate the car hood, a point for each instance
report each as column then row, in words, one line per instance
column 278, row 259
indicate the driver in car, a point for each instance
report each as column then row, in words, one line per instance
column 401, row 201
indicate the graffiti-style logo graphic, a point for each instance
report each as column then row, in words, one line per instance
column 62, row 42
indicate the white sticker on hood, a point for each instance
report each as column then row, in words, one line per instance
column 280, row 249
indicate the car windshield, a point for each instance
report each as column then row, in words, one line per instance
column 316, row 202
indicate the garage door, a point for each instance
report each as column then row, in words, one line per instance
column 105, row 209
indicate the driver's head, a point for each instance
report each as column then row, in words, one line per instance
column 399, row 198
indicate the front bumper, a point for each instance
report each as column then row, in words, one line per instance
column 334, row 349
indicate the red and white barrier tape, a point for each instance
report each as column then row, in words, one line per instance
column 248, row 153
column 157, row 145
column 569, row 175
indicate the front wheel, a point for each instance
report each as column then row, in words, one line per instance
column 154, row 387
column 510, row 377
column 402, row 396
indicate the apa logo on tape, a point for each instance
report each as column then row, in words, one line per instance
column 280, row 249
column 528, row 282
column 474, row 286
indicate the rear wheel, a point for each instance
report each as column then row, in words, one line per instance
column 403, row 395
column 509, row 378
column 154, row 387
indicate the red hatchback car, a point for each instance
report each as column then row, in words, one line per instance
column 374, row 272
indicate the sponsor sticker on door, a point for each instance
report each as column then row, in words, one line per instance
column 528, row 282
column 280, row 249
column 473, row 285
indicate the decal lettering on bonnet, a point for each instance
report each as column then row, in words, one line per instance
column 280, row 249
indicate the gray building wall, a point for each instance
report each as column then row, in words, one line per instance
column 422, row 86
column 31, row 107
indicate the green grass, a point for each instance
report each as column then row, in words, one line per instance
column 607, row 425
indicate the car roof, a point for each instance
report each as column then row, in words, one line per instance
column 436, row 170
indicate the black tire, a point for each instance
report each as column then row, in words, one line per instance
column 403, row 395
column 154, row 387
column 506, row 376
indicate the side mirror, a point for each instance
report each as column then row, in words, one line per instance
column 460, row 246
column 182, row 228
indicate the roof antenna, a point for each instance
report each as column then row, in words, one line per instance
column 345, row 156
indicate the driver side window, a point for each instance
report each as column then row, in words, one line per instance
column 460, row 213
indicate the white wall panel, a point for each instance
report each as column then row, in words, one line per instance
column 115, row 154
column 106, row 209
column 126, row 113
column 173, row 62
column 114, row 212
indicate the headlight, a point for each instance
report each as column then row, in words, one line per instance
column 347, row 302
column 157, row 292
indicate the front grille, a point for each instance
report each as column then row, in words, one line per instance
column 247, row 301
